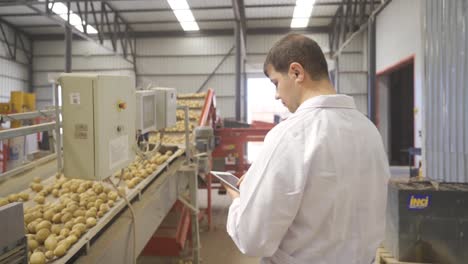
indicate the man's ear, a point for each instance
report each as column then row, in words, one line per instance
column 296, row 71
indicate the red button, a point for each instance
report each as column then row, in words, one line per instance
column 122, row 105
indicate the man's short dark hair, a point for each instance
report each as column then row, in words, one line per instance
column 300, row 49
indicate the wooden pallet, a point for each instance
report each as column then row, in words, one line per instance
column 385, row 257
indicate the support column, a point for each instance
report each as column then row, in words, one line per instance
column 372, row 70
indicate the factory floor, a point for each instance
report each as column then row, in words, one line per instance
column 216, row 245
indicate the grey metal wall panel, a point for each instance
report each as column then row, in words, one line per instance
column 184, row 45
column 223, row 105
column 355, row 83
column 82, row 63
column 184, row 65
column 446, row 78
column 222, row 84
column 351, row 62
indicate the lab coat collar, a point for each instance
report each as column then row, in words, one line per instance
column 327, row 101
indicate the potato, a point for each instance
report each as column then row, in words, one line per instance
column 97, row 188
column 80, row 226
column 37, row 179
column 104, row 208
column 44, row 224
column 37, row 214
column 98, row 203
column 24, row 196
column 3, row 201
column 106, row 190
column 32, row 244
column 75, row 232
column 64, row 232
column 69, row 225
column 60, row 238
column 57, row 218
column 61, row 249
column 37, row 258
column 79, row 212
column 48, row 215
column 73, row 206
column 112, row 195
column 100, row 214
column 55, row 193
column 80, row 189
column 90, row 213
column 51, row 242
column 28, row 218
column 71, row 239
column 110, row 203
column 56, row 229
column 90, row 222
column 103, row 196
column 74, row 187
column 66, row 217
column 49, row 254
column 42, row 235
column 130, row 184
column 13, row 197
column 80, row 219
column 37, row 187
column 39, row 199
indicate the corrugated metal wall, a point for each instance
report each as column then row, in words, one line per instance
column 49, row 58
column 352, row 71
column 186, row 62
column 13, row 74
column 446, row 86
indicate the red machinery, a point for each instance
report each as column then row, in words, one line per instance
column 232, row 143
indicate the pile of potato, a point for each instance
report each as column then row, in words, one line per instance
column 52, row 228
column 167, row 139
column 180, row 127
column 193, row 115
column 191, row 95
column 191, row 103
column 142, row 168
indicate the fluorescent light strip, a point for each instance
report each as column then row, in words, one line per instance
column 183, row 14
column 75, row 20
column 302, row 13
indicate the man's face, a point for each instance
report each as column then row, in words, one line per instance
column 286, row 88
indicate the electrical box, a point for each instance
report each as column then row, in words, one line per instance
column 166, row 106
column 146, row 114
column 98, row 113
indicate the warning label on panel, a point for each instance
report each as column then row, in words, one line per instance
column 118, row 151
column 75, row 98
column 81, row 131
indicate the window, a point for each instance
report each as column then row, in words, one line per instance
column 261, row 106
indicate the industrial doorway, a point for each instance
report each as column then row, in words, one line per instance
column 395, row 110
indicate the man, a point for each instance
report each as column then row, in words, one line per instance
column 317, row 192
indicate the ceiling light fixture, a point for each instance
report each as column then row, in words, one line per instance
column 183, row 14
column 302, row 13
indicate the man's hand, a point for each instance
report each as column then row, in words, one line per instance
column 240, row 180
column 233, row 194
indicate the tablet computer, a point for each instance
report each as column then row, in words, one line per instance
column 227, row 178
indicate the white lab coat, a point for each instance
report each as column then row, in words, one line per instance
column 317, row 192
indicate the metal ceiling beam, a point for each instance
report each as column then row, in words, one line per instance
column 59, row 21
column 15, row 42
column 177, row 22
column 212, row 32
